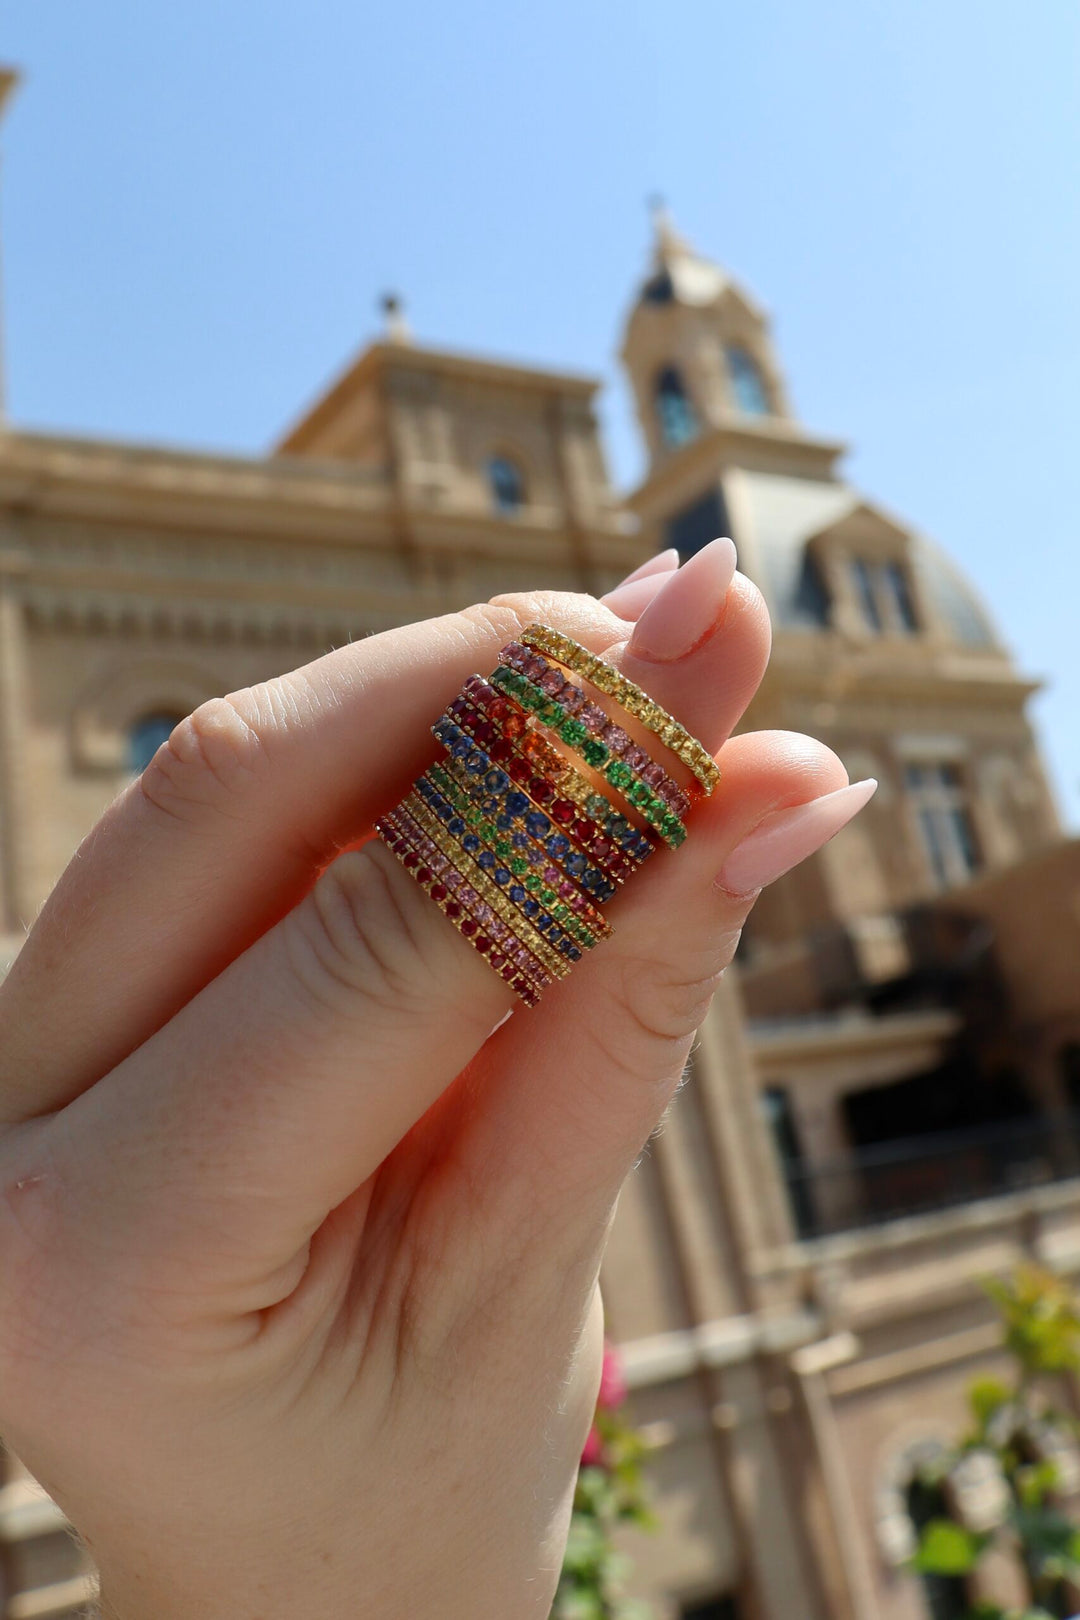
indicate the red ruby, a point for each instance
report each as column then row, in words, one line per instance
column 500, row 748
column 541, row 790
column 425, row 874
column 496, row 958
column 603, row 848
column 453, row 909
column 498, row 708
column 522, row 985
column 482, row 731
column 411, row 860
column 482, row 943
column 468, row 925
column 439, row 891
column 563, row 812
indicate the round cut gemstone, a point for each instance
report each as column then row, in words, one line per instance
column 482, row 943
column 652, row 773
column 438, row 891
column 453, row 909
column 516, row 803
column 615, row 737
column 537, row 823
column 594, row 753
column 552, row 682
column 471, row 843
column 619, row 774
column 469, row 925
column 594, row 717
column 636, row 757
column 573, row 699
column 557, row 846
column 596, row 806
column 563, row 812
column 573, row 732
column 454, row 879
column 485, row 859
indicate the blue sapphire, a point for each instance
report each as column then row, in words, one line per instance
column 471, row 843
column 557, row 846
column 537, row 823
column 517, row 804
column 485, row 859
column 496, row 780
column 461, row 749
column 516, row 893
column 575, row 864
column 457, row 826
column 504, row 822
column 531, row 907
column 520, row 840
column 501, row 875
column 474, row 764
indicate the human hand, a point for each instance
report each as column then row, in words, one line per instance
column 298, row 1261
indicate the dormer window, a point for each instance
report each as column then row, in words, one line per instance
column 507, row 485
column 884, row 595
column 747, row 384
column 674, row 409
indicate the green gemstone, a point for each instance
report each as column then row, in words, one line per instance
column 474, row 817
column 639, row 794
column 596, row 806
column 594, row 753
column 551, row 713
column 620, row 775
column 519, row 865
column 532, row 881
column 573, row 732
column 534, row 698
column 503, row 848
column 547, row 896
column 671, row 826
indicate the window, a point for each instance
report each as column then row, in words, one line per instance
column 945, row 1595
column 939, row 799
column 780, row 1118
column 884, row 595
column 507, row 485
column 146, row 736
column 696, row 525
column 720, row 1608
column 747, row 383
column 674, row 410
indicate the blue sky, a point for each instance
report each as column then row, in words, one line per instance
column 203, row 202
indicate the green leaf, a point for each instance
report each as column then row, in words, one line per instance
column 987, row 1396
column 946, row 1548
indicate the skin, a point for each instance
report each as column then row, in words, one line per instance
column 299, row 1309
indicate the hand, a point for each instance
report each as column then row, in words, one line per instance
column 298, row 1261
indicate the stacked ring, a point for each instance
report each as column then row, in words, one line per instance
column 519, row 847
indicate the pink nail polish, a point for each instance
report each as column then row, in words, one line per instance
column 661, row 562
column 630, row 599
column 788, row 836
column 688, row 606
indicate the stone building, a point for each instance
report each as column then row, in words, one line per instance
column 879, row 1107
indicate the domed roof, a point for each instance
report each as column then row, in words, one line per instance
column 786, row 513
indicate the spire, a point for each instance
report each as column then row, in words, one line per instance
column 667, row 243
column 396, row 326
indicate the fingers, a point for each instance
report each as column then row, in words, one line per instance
column 229, row 825
column 284, row 1083
column 569, row 1101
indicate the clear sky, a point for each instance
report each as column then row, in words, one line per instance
column 203, row 201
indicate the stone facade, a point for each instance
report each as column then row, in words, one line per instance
column 792, row 1269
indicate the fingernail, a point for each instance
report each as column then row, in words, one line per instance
column 787, row 837
column 630, row 599
column 687, row 607
column 661, row 562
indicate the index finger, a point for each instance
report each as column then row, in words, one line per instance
column 230, row 824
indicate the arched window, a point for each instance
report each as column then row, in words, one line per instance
column 747, row 383
column 507, row 484
column 674, row 409
column 146, row 735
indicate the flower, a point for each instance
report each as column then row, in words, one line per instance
column 612, row 1380
column 592, row 1455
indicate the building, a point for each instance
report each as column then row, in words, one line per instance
column 875, row 1114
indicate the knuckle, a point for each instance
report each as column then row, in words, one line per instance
column 508, row 614
column 360, row 933
column 207, row 758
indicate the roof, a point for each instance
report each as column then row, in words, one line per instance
column 785, row 515
column 439, row 362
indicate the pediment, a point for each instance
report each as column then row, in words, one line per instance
column 864, row 529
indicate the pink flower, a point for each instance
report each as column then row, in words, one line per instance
column 593, row 1453
column 612, row 1379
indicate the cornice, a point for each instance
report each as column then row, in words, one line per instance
column 772, row 444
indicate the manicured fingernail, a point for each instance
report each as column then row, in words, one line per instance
column 687, row 608
column 787, row 837
column 630, row 599
column 661, row 562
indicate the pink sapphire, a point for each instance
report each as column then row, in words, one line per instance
column 615, row 737
column 552, row 682
column 454, row 879
column 594, row 717
column 572, row 699
column 636, row 757
column 533, row 666
column 652, row 773
column 566, row 890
